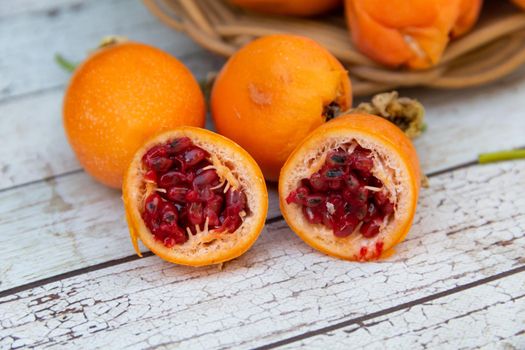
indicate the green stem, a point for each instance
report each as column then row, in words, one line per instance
column 485, row 158
column 64, row 63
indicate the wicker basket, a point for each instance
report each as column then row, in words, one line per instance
column 493, row 49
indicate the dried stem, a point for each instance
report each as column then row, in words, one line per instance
column 408, row 114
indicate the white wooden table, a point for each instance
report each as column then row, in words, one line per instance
column 69, row 277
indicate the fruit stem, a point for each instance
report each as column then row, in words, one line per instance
column 65, row 63
column 408, row 114
column 111, row 40
column 492, row 157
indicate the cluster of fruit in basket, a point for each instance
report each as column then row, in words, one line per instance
column 395, row 33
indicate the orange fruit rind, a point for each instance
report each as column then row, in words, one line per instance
column 206, row 247
column 395, row 165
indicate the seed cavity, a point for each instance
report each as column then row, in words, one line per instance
column 344, row 195
column 189, row 192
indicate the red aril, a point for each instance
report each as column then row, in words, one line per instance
column 195, row 197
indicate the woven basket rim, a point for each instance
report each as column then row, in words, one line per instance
column 495, row 48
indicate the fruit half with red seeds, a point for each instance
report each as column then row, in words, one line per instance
column 350, row 188
column 194, row 197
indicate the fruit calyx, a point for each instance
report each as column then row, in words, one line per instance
column 331, row 110
column 188, row 191
column 345, row 193
column 408, row 114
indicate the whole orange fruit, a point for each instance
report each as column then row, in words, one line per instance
column 275, row 91
column 121, row 96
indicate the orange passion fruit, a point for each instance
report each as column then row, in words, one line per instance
column 119, row 97
column 194, row 197
column 409, row 33
column 350, row 189
column 273, row 92
column 288, row 7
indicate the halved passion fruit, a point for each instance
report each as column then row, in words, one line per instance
column 194, row 197
column 350, row 188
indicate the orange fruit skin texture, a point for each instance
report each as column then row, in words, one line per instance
column 271, row 93
column 411, row 33
column 137, row 228
column 121, row 96
column 377, row 128
column 289, row 7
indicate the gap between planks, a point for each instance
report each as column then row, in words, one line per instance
column 145, row 254
column 390, row 310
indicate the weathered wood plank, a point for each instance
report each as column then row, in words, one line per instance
column 490, row 316
column 464, row 123
column 29, row 41
column 470, row 224
column 64, row 224
column 25, row 6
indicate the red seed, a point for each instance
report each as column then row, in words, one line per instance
column 192, row 196
column 312, row 215
column 379, row 248
column 194, row 156
column 297, row 196
column 314, row 200
column 362, row 195
column 337, row 158
column 332, row 174
column 178, row 145
column 170, row 213
column 213, row 218
column 160, row 164
column 235, row 198
column 206, row 194
column 318, row 183
column 195, row 214
column 371, row 212
column 154, row 152
column 177, row 194
column 206, row 178
column 150, row 176
column 362, row 252
column 374, row 182
column 345, row 226
column 172, row 178
column 371, row 229
column 230, row 223
column 387, row 208
column 174, row 232
column 359, row 210
column 352, row 182
column 152, row 204
column 335, row 184
column 169, row 242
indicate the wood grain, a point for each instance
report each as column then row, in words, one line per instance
column 490, row 316
column 470, row 225
column 64, row 224
column 29, row 41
